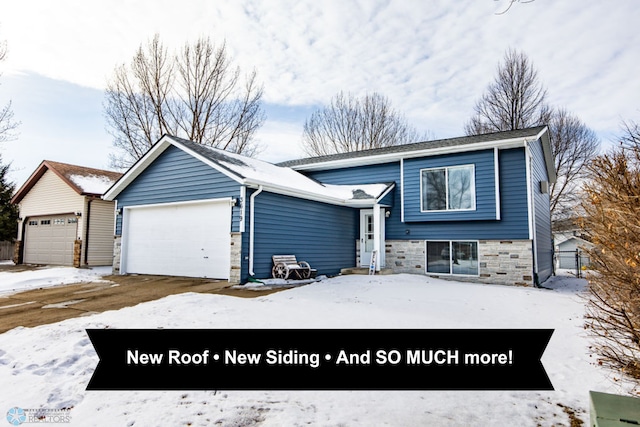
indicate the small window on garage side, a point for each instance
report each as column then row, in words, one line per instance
column 452, row 257
column 59, row 221
column 45, row 222
column 72, row 220
column 33, row 222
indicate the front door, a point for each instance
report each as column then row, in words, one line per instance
column 367, row 236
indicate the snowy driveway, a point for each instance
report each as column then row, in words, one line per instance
column 50, row 299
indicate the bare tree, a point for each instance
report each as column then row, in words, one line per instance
column 196, row 93
column 351, row 124
column 612, row 219
column 515, row 100
column 631, row 136
column 510, row 3
column 573, row 145
column 7, row 124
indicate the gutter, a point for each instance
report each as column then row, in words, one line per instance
column 252, row 218
column 396, row 156
column 306, row 195
column 86, row 231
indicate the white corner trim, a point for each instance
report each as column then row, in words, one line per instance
column 531, row 206
column 527, row 157
column 402, row 190
column 496, row 177
column 243, row 208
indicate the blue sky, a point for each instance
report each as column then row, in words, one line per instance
column 433, row 59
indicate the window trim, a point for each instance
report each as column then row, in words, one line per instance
column 451, row 242
column 446, row 174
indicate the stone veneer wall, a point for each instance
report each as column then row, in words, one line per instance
column 507, row 262
column 18, row 252
column 117, row 251
column 77, row 253
column 406, row 256
column 236, row 258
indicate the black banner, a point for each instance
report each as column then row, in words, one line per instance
column 320, row 359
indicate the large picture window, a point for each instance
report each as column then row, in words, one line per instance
column 452, row 257
column 448, row 189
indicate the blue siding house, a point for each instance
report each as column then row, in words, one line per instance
column 474, row 208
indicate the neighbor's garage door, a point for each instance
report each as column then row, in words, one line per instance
column 49, row 240
column 178, row 240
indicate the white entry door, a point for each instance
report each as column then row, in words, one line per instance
column 181, row 239
column 367, row 233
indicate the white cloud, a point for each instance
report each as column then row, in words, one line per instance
column 432, row 59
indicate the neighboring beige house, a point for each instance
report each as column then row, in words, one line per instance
column 63, row 220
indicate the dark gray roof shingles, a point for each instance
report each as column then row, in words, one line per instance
column 450, row 142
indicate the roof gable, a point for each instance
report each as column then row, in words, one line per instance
column 256, row 173
column 83, row 180
column 505, row 139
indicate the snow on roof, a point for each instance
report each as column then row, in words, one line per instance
column 88, row 181
column 92, row 184
column 259, row 172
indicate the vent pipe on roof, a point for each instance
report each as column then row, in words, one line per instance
column 252, row 216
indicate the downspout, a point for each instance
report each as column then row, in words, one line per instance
column 252, row 217
column 86, row 232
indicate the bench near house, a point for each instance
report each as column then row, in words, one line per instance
column 474, row 208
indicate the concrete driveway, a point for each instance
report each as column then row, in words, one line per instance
column 49, row 305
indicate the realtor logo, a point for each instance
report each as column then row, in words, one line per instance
column 16, row 416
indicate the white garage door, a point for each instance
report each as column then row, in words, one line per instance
column 49, row 239
column 190, row 240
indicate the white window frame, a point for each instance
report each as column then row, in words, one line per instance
column 451, row 242
column 446, row 177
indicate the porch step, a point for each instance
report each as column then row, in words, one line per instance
column 364, row 270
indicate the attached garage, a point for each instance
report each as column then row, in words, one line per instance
column 50, row 239
column 178, row 239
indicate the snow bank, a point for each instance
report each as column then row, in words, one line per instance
column 16, row 281
column 50, row 366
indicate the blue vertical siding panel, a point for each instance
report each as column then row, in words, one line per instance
column 513, row 199
column 542, row 212
column 176, row 176
column 483, row 162
column 513, row 223
column 389, row 199
column 386, row 172
column 323, row 235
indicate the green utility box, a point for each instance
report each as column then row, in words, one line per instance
column 611, row 410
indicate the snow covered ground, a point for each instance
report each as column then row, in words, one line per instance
column 49, row 366
column 12, row 282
